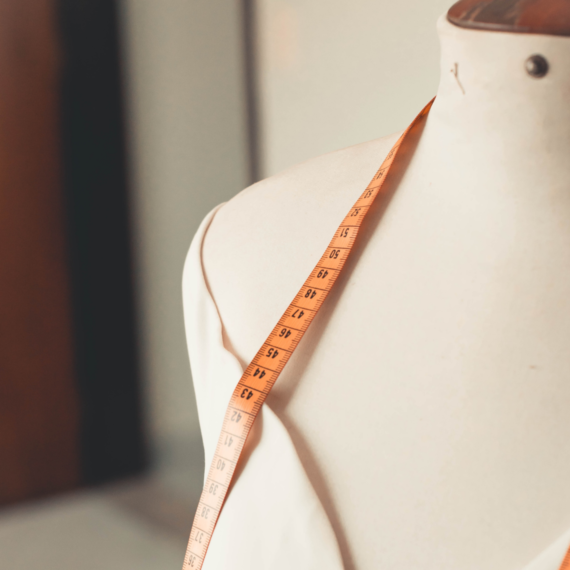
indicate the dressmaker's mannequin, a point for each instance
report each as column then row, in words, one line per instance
column 452, row 317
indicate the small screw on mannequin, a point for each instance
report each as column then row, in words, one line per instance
column 536, row 66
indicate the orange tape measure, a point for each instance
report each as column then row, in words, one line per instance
column 261, row 374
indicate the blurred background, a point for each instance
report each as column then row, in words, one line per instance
column 122, row 123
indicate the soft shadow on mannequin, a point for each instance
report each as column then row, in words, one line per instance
column 428, row 402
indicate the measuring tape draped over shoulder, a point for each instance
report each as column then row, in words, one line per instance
column 261, row 374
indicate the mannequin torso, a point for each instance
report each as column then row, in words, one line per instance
column 452, row 317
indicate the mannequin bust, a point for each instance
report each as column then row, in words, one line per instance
column 459, row 287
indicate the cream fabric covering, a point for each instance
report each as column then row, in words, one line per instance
column 272, row 519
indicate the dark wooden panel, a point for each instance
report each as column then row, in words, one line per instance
column 550, row 17
column 38, row 405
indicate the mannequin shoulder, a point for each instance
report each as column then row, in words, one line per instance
column 309, row 198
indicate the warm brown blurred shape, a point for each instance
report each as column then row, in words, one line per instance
column 38, row 404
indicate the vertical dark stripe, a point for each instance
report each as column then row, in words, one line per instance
column 252, row 101
column 95, row 182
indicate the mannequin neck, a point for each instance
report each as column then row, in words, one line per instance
column 488, row 103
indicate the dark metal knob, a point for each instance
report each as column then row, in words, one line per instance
column 536, row 66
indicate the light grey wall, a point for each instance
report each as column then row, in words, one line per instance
column 186, row 115
column 333, row 73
